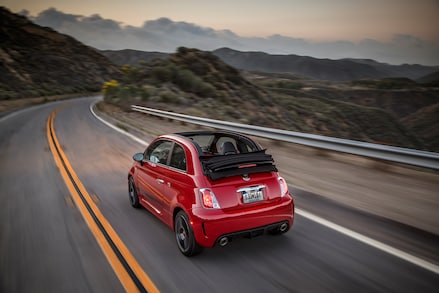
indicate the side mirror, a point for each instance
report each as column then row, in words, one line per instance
column 138, row 157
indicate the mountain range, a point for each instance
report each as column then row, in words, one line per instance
column 321, row 69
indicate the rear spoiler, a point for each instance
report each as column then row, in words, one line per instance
column 221, row 166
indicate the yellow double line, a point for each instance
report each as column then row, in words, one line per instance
column 129, row 272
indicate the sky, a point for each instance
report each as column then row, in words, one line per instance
column 393, row 31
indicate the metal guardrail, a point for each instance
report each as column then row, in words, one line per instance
column 388, row 153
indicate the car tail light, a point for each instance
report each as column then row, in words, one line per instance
column 283, row 187
column 208, row 198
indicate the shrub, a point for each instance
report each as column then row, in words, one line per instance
column 386, row 83
column 163, row 73
column 169, row 97
column 110, row 89
column 8, row 95
column 131, row 74
column 145, row 92
column 199, row 68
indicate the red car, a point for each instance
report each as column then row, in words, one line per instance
column 210, row 187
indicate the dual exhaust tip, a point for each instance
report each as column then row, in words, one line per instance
column 223, row 241
column 283, row 227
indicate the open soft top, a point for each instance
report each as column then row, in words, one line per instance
column 224, row 154
column 221, row 166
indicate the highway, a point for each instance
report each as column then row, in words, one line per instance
column 50, row 243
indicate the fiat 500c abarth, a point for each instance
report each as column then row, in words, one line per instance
column 210, row 187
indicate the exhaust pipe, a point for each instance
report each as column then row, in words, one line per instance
column 283, row 227
column 223, row 241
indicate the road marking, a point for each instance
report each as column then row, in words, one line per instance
column 133, row 137
column 129, row 272
column 367, row 240
column 69, row 201
column 372, row 242
column 94, row 197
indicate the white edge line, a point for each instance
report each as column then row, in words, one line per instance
column 379, row 245
column 357, row 236
column 26, row 109
column 135, row 138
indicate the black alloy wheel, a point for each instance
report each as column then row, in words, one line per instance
column 132, row 192
column 185, row 235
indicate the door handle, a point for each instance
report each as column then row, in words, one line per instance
column 160, row 181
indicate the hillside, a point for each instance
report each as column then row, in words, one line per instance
column 425, row 124
column 432, row 79
column 397, row 102
column 132, row 57
column 199, row 83
column 401, row 98
column 38, row 61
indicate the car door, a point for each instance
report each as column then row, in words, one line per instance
column 150, row 177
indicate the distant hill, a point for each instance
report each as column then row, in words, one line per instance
column 320, row 69
column 38, row 61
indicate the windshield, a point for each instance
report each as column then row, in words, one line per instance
column 219, row 143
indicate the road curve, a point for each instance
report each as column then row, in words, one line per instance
column 46, row 246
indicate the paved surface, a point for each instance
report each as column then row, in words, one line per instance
column 45, row 245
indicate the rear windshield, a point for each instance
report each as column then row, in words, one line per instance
column 223, row 143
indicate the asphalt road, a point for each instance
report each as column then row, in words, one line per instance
column 46, row 246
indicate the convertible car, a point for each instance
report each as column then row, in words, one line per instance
column 210, row 187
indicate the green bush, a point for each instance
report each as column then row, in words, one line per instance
column 8, row 95
column 110, row 89
column 199, row 68
column 169, row 97
column 386, row 83
column 164, row 73
column 145, row 92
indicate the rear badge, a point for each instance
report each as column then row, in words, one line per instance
column 245, row 177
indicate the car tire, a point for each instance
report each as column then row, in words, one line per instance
column 185, row 235
column 132, row 192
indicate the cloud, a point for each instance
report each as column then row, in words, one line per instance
column 165, row 35
column 24, row 12
column 55, row 19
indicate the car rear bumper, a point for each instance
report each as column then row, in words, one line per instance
column 211, row 226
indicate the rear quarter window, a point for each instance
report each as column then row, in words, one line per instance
column 178, row 158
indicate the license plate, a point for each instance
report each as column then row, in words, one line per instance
column 252, row 194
